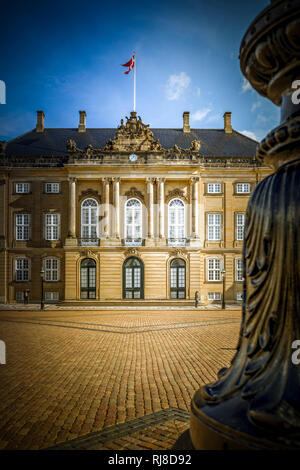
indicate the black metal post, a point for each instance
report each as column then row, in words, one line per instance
column 223, row 294
column 42, row 289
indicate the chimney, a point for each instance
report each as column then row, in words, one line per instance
column 82, row 119
column 186, row 121
column 227, row 122
column 40, row 125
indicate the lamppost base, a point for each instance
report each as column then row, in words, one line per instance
column 226, row 426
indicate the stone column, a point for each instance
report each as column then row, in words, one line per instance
column 116, row 183
column 150, row 182
column 255, row 403
column 161, row 206
column 72, row 208
column 195, row 216
column 106, row 182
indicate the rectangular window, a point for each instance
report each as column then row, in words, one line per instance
column 22, row 226
column 239, row 296
column 214, row 226
column 243, row 188
column 52, row 226
column 51, row 269
column 22, row 269
column 214, row 188
column 22, row 188
column 239, row 269
column 214, row 296
column 20, row 296
column 239, row 226
column 214, row 269
column 52, row 188
column 51, row 296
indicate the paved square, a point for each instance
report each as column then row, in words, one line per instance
column 71, row 373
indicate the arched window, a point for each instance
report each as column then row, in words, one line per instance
column 133, row 222
column 176, row 222
column 133, row 279
column 88, row 279
column 177, row 279
column 89, row 218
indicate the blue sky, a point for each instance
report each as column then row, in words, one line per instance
column 64, row 56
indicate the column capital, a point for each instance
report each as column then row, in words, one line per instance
column 194, row 179
column 150, row 179
column 116, row 179
column 160, row 180
column 106, row 179
column 72, row 179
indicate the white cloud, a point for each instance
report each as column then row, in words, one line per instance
column 200, row 114
column 246, row 85
column 255, row 105
column 176, row 85
column 250, row 134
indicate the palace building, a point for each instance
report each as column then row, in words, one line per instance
column 126, row 215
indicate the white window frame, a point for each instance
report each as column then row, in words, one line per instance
column 214, row 296
column 22, row 188
column 52, row 188
column 239, row 270
column 52, row 227
column 243, row 188
column 51, row 273
column 22, row 226
column 211, row 188
column 240, row 227
column 176, row 230
column 89, row 229
column 214, row 266
column 136, row 229
column 25, row 271
column 19, row 296
column 214, row 229
column 51, row 296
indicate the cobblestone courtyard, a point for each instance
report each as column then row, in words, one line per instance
column 107, row 379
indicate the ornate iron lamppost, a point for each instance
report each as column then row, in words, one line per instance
column 223, row 272
column 255, row 403
column 42, row 288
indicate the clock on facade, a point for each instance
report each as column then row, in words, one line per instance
column 133, row 157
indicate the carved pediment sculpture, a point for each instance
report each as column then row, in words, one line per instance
column 71, row 146
column 177, row 193
column 134, row 192
column 195, row 146
column 133, row 137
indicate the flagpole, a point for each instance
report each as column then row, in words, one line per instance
column 134, row 82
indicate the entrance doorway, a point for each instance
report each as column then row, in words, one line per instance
column 88, row 279
column 177, row 279
column 133, row 279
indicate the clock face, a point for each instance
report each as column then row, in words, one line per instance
column 133, row 157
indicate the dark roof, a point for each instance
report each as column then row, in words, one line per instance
column 214, row 142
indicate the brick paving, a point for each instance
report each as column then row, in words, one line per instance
column 73, row 375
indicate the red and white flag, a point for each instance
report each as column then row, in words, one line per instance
column 130, row 63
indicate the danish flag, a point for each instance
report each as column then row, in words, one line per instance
column 130, row 63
